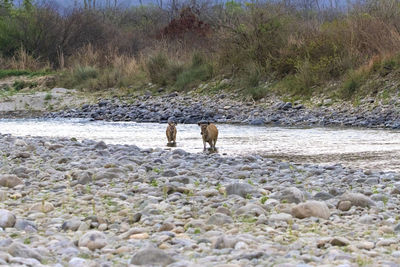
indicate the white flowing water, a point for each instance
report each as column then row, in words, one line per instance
column 360, row 148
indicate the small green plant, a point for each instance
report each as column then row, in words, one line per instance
column 196, row 183
column 14, row 235
column 197, row 231
column 250, row 182
column 218, row 186
column 249, row 196
column 157, row 170
column 385, row 200
column 48, row 96
column 375, row 190
column 154, row 183
column 27, row 241
column 264, row 199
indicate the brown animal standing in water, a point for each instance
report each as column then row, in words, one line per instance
column 171, row 132
column 209, row 132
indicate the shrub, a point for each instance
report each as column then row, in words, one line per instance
column 18, row 85
column 352, row 83
column 162, row 71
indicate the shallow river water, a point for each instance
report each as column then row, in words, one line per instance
column 360, row 148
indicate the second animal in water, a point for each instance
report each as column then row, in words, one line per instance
column 209, row 132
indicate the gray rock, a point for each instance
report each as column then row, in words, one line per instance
column 367, row 219
column 77, row 262
column 10, row 181
column 357, row 199
column 7, row 219
column 344, row 205
column 311, row 208
column 179, row 152
column 291, row 195
column 397, row 228
column 25, row 225
column 151, row 256
column 280, row 217
column 224, row 242
column 169, row 173
column 72, row 225
column 20, row 261
column 322, row 196
column 100, row 145
column 219, row 219
column 251, row 209
column 93, row 240
column 20, row 250
column 240, row 189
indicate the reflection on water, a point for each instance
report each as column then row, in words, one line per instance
column 366, row 148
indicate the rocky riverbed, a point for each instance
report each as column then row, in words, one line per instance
column 227, row 108
column 84, row 203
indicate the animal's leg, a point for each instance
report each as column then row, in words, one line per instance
column 204, row 144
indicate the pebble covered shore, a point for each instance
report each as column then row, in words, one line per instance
column 84, row 203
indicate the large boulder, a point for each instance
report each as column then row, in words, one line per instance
column 348, row 200
column 10, row 180
column 151, row 256
column 311, row 208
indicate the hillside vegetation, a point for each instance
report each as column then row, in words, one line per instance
column 267, row 47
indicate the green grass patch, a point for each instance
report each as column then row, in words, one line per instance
column 10, row 73
column 193, row 76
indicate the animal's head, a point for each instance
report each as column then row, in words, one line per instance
column 203, row 127
column 171, row 123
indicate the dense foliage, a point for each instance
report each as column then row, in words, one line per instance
column 272, row 45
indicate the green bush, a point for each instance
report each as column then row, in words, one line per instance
column 84, row 73
column 199, row 71
column 18, row 85
column 352, row 83
column 161, row 71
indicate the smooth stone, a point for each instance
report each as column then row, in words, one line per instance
column 280, row 217
column 20, row 250
column 42, row 207
column 7, row 219
column 10, row 181
column 357, row 199
column 291, row 195
column 139, row 236
column 344, row 205
column 339, row 241
column 151, row 256
column 25, row 225
column 311, row 208
column 93, row 240
column 72, row 225
column 219, row 219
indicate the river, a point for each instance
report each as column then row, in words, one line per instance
column 360, row 148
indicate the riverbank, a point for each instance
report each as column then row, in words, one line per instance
column 87, row 203
column 230, row 108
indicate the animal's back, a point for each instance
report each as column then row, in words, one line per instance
column 213, row 132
